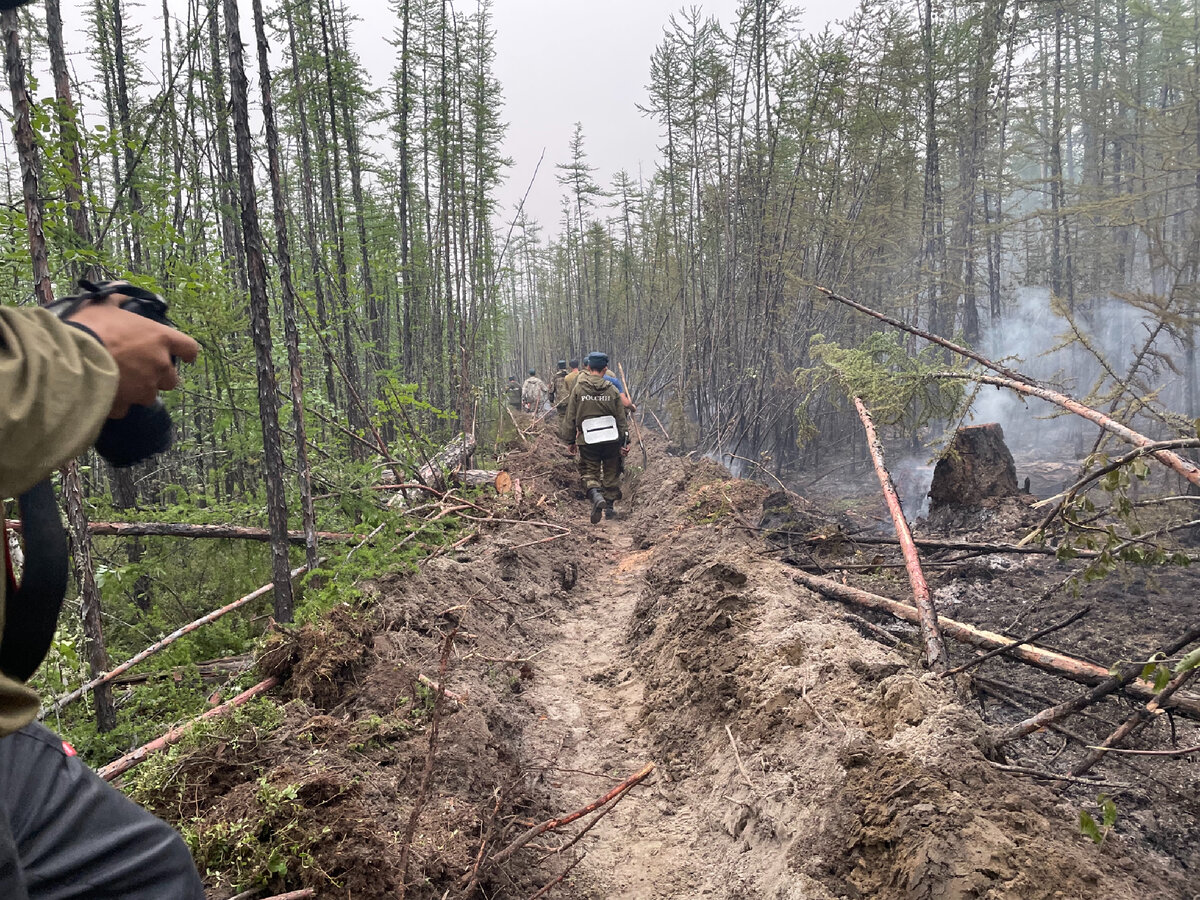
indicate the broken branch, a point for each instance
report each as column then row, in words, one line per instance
column 171, row 638
column 551, row 824
column 1135, row 722
column 129, row 760
column 1047, row 660
column 1049, row 629
column 925, row 335
column 935, row 648
column 1113, row 683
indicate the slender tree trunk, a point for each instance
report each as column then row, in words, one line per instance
column 260, row 324
column 68, row 132
column 72, row 489
column 308, row 193
column 123, row 112
column 283, row 254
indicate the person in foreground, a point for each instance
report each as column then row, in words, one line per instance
column 65, row 833
column 595, row 426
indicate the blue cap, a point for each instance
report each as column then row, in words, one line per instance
column 596, row 360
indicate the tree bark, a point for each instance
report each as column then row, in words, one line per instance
column 935, row 650
column 1047, row 660
column 291, row 331
column 260, row 322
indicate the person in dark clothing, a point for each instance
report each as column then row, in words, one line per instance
column 595, row 426
column 64, row 833
column 513, row 392
column 558, row 387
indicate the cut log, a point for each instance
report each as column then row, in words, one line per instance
column 182, row 530
column 1039, row 657
column 977, row 466
column 450, row 458
column 500, row 480
column 935, row 649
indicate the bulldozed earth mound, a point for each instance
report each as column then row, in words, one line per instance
column 794, row 757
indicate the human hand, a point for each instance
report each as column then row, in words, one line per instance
column 572, row 450
column 142, row 349
column 625, row 450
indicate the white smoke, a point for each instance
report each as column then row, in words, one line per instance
column 1030, row 338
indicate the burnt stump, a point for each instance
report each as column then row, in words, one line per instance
column 977, row 466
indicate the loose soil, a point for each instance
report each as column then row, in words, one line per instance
column 795, row 757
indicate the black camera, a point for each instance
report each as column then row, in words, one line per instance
column 145, row 430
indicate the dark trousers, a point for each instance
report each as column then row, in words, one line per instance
column 600, row 466
column 65, row 833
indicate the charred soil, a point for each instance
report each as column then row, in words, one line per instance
column 795, row 757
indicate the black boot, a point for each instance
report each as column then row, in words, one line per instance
column 609, row 511
column 596, row 496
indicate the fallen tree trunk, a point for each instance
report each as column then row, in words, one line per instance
column 451, row 457
column 119, row 766
column 182, row 530
column 927, row 544
column 935, row 649
column 1168, row 458
column 500, row 480
column 1039, row 657
column 171, row 638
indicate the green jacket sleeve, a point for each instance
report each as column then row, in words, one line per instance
column 57, row 385
column 567, row 426
column 622, row 417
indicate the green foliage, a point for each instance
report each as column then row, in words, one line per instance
column 898, row 386
column 1098, row 832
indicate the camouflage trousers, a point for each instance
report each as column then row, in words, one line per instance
column 600, row 467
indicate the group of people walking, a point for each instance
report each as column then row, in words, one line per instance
column 593, row 409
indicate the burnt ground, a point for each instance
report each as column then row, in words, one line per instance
column 795, row 758
column 1134, row 612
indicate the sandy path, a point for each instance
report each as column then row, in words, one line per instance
column 591, row 701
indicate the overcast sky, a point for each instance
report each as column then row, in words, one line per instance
column 565, row 61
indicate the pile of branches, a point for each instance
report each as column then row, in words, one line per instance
column 1083, row 529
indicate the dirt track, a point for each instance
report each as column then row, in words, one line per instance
column 855, row 774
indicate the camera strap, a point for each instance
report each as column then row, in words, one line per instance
column 31, row 607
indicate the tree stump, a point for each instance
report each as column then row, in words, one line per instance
column 977, row 466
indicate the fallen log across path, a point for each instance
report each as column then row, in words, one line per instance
column 184, row 530
column 1039, row 657
column 119, row 766
column 171, row 638
column 935, row 649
